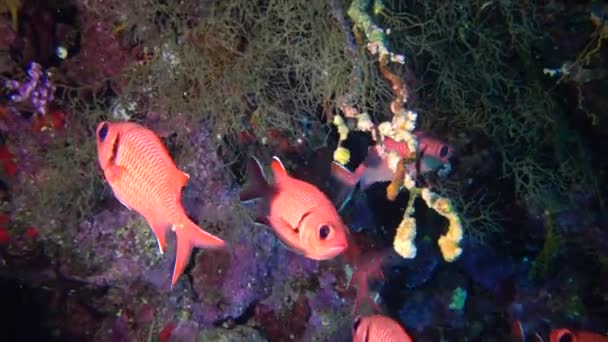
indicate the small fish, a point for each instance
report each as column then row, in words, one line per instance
column 144, row 178
column 378, row 328
column 375, row 167
column 300, row 214
column 432, row 147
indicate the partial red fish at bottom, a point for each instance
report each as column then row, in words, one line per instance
column 378, row 328
column 559, row 335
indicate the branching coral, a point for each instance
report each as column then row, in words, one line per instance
column 12, row 6
column 400, row 129
column 285, row 57
column 481, row 79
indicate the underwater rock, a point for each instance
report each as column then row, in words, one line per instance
column 290, row 275
column 114, row 329
column 416, row 272
column 91, row 66
column 286, row 323
column 117, row 247
column 402, row 275
column 487, row 266
column 184, row 331
column 229, row 282
column 330, row 312
column 240, row 333
column 357, row 214
column 442, row 303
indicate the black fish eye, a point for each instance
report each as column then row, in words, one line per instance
column 324, row 232
column 566, row 338
column 103, row 132
column 443, row 151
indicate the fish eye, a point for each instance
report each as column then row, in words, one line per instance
column 443, row 151
column 567, row 337
column 103, row 132
column 324, row 232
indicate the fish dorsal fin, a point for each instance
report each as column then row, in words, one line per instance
column 278, row 169
column 257, row 185
column 287, row 235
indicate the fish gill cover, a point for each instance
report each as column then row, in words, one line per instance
column 515, row 88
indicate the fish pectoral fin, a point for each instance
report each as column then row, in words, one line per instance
column 114, row 172
column 288, row 235
column 286, row 226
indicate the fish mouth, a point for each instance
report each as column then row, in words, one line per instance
column 334, row 251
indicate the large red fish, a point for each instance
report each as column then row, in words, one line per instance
column 378, row 328
column 144, row 178
column 298, row 212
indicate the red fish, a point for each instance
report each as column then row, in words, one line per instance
column 556, row 335
column 378, row 328
column 432, row 147
column 559, row 335
column 144, row 178
column 375, row 168
column 300, row 214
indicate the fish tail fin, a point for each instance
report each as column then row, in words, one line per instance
column 257, row 185
column 189, row 235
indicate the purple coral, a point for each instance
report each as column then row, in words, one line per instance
column 38, row 90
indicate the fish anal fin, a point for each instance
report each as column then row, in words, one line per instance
column 287, row 234
column 182, row 178
column 121, row 201
column 257, row 185
column 119, row 197
column 159, row 228
column 189, row 235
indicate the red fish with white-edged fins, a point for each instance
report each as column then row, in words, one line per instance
column 302, row 217
column 144, row 178
column 375, row 167
column 378, row 328
column 562, row 335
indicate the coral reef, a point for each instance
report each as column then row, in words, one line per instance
column 485, row 121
